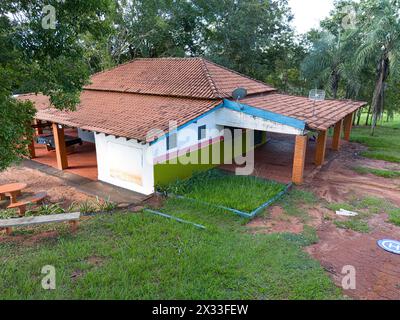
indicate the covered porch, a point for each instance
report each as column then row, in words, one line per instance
column 79, row 158
column 295, row 147
column 274, row 160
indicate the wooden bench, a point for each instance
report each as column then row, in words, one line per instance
column 21, row 204
column 72, row 218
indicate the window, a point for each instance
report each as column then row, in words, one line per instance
column 172, row 141
column 202, row 132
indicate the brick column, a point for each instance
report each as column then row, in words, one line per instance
column 61, row 150
column 337, row 135
column 321, row 148
column 299, row 159
column 347, row 125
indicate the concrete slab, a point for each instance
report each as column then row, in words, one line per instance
column 94, row 188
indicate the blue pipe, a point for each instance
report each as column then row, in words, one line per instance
column 175, row 218
column 238, row 212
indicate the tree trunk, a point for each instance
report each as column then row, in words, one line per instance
column 368, row 113
column 383, row 71
column 335, row 84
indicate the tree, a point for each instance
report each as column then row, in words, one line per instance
column 41, row 50
column 379, row 27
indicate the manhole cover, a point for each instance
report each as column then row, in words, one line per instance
column 392, row 246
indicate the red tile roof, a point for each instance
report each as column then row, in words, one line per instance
column 123, row 114
column 319, row 115
column 145, row 94
column 178, row 77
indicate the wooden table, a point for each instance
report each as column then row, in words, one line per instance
column 13, row 190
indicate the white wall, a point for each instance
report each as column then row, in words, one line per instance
column 228, row 117
column 124, row 163
column 188, row 138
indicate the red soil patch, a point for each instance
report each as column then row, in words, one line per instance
column 377, row 271
column 57, row 189
column 277, row 222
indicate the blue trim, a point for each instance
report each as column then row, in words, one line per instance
column 271, row 201
column 158, row 213
column 253, row 111
column 264, row 114
column 195, row 120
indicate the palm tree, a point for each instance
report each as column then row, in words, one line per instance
column 325, row 64
column 379, row 27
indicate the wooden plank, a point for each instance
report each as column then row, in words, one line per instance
column 321, row 148
column 337, row 132
column 28, row 221
column 61, row 149
column 348, row 124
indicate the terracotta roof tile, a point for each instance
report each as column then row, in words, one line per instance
column 179, row 77
column 145, row 94
column 318, row 115
column 123, row 114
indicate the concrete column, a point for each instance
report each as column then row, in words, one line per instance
column 299, row 159
column 321, row 148
column 61, row 150
column 347, row 126
column 337, row 135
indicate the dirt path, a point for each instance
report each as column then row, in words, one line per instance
column 58, row 191
column 377, row 271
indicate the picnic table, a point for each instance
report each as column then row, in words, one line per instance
column 13, row 190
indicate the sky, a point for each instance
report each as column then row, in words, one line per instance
column 308, row 13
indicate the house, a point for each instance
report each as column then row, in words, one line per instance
column 149, row 122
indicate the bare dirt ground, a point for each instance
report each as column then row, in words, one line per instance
column 58, row 192
column 377, row 271
column 57, row 189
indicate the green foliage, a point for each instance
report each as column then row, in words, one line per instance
column 384, row 145
column 357, row 225
column 222, row 262
column 394, row 217
column 389, row 174
column 295, row 202
column 46, row 60
column 14, row 129
column 365, row 207
column 244, row 193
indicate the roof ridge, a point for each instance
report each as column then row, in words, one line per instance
column 213, row 86
column 240, row 74
column 154, row 94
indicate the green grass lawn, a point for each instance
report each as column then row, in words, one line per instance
column 384, row 145
column 388, row 174
column 141, row 256
column 244, row 193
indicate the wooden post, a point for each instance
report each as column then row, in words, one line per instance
column 74, row 225
column 38, row 130
column 337, row 135
column 321, row 148
column 299, row 159
column 347, row 125
column 61, row 150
